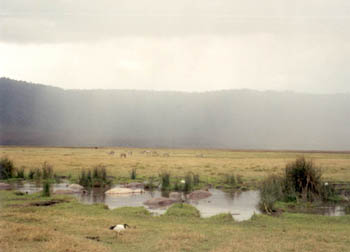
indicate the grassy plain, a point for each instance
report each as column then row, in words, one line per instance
column 209, row 164
column 71, row 226
column 66, row 227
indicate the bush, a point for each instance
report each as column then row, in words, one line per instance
column 328, row 193
column 165, row 180
column 7, row 169
column 46, row 189
column 270, row 192
column 182, row 210
column 37, row 174
column 188, row 183
column 83, row 179
column 47, row 171
column 20, row 173
column 133, row 173
column 177, row 186
column 31, row 173
column 304, row 178
column 95, row 178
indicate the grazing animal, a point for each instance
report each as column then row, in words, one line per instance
column 122, row 155
column 119, row 228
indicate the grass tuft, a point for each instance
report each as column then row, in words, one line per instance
column 96, row 177
column 46, row 189
column 7, row 168
column 133, row 173
column 165, row 180
column 182, row 210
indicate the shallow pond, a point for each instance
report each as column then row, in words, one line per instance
column 242, row 205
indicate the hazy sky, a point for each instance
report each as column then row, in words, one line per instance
column 178, row 45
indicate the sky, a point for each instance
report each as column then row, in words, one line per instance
column 183, row 45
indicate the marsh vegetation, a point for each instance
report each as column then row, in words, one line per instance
column 301, row 182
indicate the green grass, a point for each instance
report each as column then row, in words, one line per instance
column 65, row 226
column 182, row 210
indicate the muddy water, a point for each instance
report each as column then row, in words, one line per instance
column 242, row 205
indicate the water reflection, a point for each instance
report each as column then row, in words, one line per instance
column 241, row 204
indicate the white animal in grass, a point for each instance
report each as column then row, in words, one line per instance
column 119, row 228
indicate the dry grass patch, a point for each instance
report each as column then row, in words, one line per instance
column 183, row 240
column 250, row 164
column 33, row 238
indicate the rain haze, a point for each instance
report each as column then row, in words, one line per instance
column 196, row 74
column 178, row 45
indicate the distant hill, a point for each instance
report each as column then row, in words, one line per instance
column 33, row 114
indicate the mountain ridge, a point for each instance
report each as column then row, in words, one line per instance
column 36, row 114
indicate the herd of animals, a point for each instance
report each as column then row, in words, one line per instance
column 145, row 152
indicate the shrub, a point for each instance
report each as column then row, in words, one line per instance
column 133, row 173
column 328, row 193
column 97, row 177
column 83, row 179
column 7, row 169
column 37, row 174
column 304, row 178
column 47, row 171
column 270, row 192
column 46, row 189
column 20, row 173
column 177, row 186
column 31, row 173
column 165, row 180
column 188, row 183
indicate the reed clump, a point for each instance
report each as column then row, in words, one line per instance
column 165, row 180
column 133, row 174
column 95, row 177
column 46, row 189
column 302, row 181
column 20, row 173
column 7, row 168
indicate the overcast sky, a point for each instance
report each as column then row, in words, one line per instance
column 182, row 45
